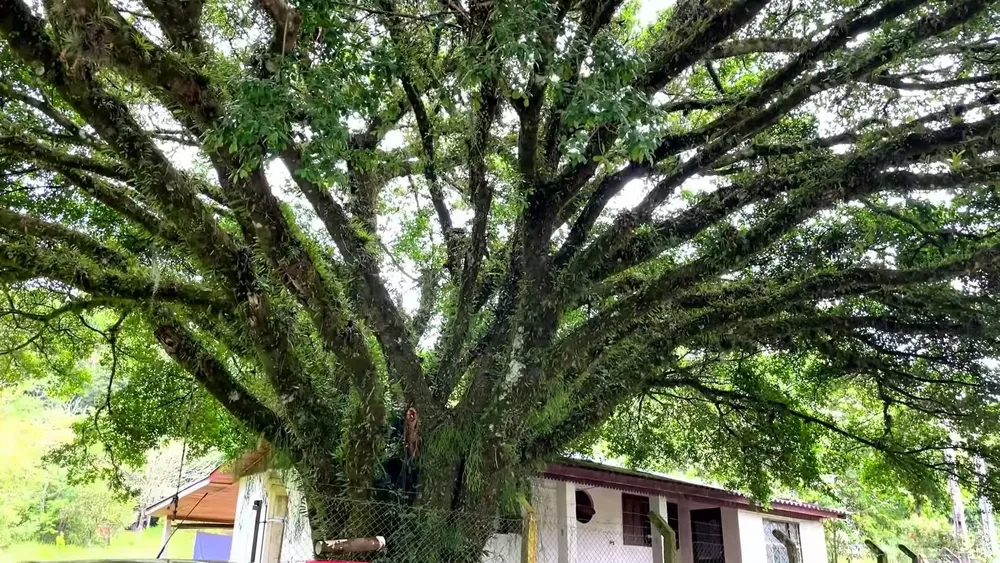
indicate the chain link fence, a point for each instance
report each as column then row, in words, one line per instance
column 414, row 535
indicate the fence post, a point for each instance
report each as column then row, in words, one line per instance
column 277, row 511
column 667, row 533
column 914, row 558
column 566, row 514
column 880, row 555
column 529, row 536
column 658, row 504
column 167, row 533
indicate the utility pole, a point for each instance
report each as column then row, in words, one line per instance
column 959, row 530
column 958, row 526
column 988, row 522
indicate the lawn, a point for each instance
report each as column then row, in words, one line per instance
column 124, row 545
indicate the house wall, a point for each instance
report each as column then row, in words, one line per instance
column 288, row 523
column 251, row 489
column 599, row 541
column 751, row 534
column 297, row 543
column 733, row 541
column 503, row 548
column 602, row 539
column 813, row 542
column 753, row 545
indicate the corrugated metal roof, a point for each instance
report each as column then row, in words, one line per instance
column 614, row 477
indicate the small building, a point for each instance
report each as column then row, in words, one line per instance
column 207, row 505
column 585, row 512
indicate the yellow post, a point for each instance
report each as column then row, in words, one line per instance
column 277, row 512
column 529, row 537
column 669, row 538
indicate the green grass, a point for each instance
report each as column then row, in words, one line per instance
column 124, row 545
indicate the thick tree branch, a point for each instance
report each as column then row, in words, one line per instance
column 680, row 329
column 592, row 211
column 80, row 271
column 740, row 47
column 750, row 46
column 74, row 307
column 175, row 193
column 287, row 22
column 900, row 83
column 841, row 32
column 713, row 207
column 114, row 123
column 118, row 199
column 17, row 224
column 45, row 156
column 725, row 308
column 372, row 296
column 680, row 50
column 185, row 90
column 181, row 21
column 611, row 241
column 481, row 192
column 43, row 106
column 292, row 260
column 212, row 374
column 672, row 58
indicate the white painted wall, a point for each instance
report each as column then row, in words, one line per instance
column 296, row 543
column 753, row 542
column 813, row 542
column 732, row 542
column 598, row 541
column 601, row 539
column 296, row 537
column 543, row 500
column 251, row 489
column 503, row 548
column 751, row 533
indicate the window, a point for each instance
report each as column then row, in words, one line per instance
column 706, row 536
column 635, row 520
column 584, row 507
column 783, row 542
column 672, row 521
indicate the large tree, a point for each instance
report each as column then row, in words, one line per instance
column 429, row 246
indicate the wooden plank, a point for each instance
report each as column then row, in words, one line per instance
column 352, row 545
column 669, row 537
column 914, row 558
column 277, row 511
column 880, row 555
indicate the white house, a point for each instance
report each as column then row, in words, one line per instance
column 586, row 513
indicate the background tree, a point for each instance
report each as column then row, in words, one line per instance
column 41, row 504
column 592, row 212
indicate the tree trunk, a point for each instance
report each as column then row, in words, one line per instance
column 417, row 535
column 433, row 522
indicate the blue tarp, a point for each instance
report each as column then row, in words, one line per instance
column 212, row 547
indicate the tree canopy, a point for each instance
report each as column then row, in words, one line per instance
column 430, row 245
